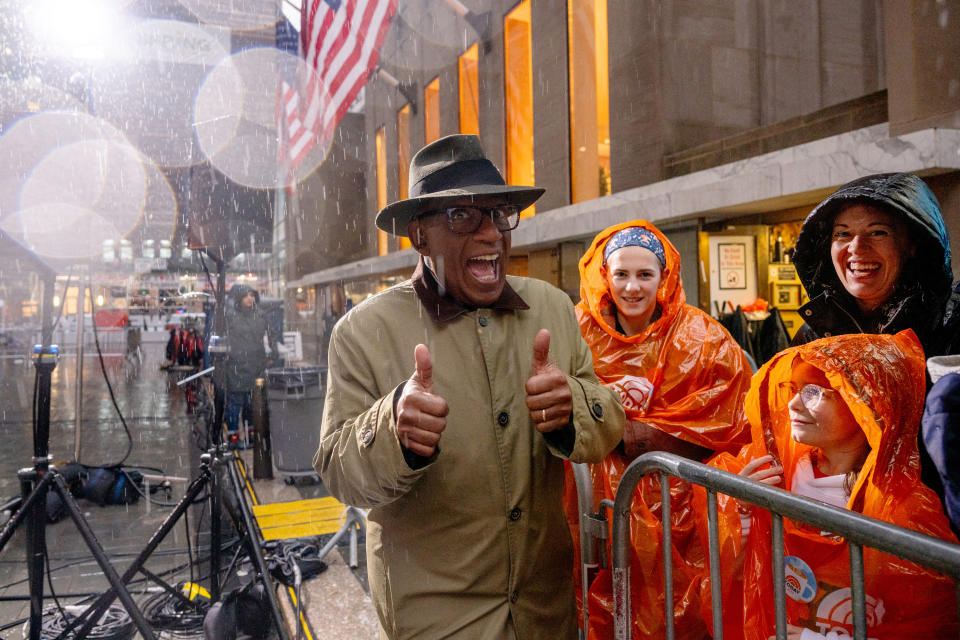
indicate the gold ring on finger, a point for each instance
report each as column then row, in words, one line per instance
column 543, row 415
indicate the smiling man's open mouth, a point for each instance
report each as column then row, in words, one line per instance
column 484, row 268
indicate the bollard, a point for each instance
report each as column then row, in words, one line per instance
column 262, row 465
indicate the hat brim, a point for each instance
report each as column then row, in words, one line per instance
column 395, row 217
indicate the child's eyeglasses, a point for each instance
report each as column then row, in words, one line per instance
column 810, row 394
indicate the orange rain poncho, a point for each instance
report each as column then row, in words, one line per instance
column 697, row 377
column 881, row 378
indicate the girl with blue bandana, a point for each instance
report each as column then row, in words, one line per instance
column 682, row 380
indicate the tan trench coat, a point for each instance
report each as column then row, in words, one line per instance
column 475, row 544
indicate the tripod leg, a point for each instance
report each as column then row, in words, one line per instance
column 25, row 506
column 97, row 550
column 94, row 545
column 256, row 554
column 97, row 609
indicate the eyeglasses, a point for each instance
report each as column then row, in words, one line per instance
column 465, row 220
column 810, row 394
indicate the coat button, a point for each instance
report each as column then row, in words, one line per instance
column 808, row 312
column 515, row 514
column 483, row 321
column 366, row 437
column 514, row 595
column 597, row 410
column 503, row 418
column 827, row 334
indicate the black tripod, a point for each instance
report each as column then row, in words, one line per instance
column 34, row 484
column 209, row 477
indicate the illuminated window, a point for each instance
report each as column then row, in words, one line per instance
column 381, row 188
column 469, row 92
column 519, row 95
column 589, row 99
column 431, row 111
column 403, row 158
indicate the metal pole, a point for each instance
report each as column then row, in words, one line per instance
column 215, row 431
column 78, row 389
column 858, row 600
column 262, row 466
column 581, row 476
column 779, row 579
column 45, row 360
column 666, row 521
column 36, row 522
column 716, row 589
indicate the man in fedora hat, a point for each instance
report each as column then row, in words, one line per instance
column 452, row 400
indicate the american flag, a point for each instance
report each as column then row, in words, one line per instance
column 341, row 44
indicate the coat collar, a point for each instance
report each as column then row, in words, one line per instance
column 832, row 314
column 444, row 308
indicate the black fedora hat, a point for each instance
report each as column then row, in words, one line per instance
column 446, row 170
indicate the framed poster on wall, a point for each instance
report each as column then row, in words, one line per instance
column 732, row 263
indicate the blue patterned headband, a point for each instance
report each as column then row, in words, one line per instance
column 635, row 237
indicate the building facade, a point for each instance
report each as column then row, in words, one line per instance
column 724, row 123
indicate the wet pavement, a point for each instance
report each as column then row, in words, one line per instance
column 163, row 439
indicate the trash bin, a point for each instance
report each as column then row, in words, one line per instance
column 295, row 400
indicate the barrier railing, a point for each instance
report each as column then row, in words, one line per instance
column 856, row 529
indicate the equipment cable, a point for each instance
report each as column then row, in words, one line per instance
column 106, row 378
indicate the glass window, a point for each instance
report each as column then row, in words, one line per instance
column 469, row 92
column 382, row 239
column 519, row 96
column 403, row 159
column 431, row 111
column 589, row 99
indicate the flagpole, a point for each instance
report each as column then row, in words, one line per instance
column 406, row 90
column 481, row 22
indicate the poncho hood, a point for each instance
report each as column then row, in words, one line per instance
column 881, row 379
column 595, row 293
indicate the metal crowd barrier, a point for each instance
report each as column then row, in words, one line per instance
column 114, row 341
column 858, row 530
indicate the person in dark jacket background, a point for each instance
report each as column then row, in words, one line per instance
column 874, row 257
column 941, row 429
column 246, row 359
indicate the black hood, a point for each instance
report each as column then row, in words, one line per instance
column 237, row 293
column 901, row 194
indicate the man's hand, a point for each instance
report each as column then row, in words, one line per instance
column 548, row 394
column 421, row 415
column 640, row 437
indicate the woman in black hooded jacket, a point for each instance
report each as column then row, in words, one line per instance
column 866, row 290
column 874, row 257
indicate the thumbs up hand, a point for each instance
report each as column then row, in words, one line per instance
column 421, row 415
column 548, row 394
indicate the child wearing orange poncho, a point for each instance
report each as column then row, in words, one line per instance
column 834, row 420
column 682, row 380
